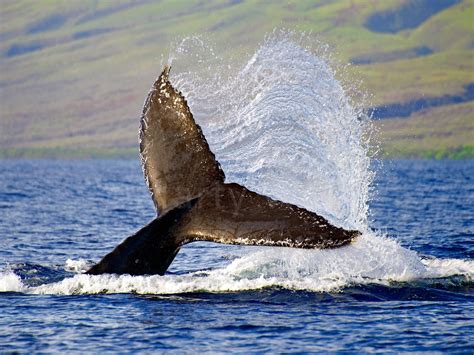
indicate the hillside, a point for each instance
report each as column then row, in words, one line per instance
column 74, row 73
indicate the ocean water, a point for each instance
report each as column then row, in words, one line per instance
column 411, row 289
column 281, row 124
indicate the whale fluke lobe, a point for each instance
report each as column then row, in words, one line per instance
column 193, row 202
column 177, row 162
column 232, row 214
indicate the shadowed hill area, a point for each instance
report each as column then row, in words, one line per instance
column 74, row 74
column 409, row 15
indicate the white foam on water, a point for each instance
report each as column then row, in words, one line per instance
column 10, row 282
column 448, row 267
column 282, row 125
column 370, row 260
column 77, row 266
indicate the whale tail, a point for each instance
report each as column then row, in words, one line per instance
column 177, row 162
column 194, row 204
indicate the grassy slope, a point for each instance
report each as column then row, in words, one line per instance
column 81, row 96
column 436, row 133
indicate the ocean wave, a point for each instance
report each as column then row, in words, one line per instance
column 370, row 260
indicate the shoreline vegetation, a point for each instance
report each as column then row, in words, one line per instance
column 394, row 152
column 69, row 153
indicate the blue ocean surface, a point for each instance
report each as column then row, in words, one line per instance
column 408, row 287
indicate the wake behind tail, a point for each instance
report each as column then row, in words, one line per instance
column 372, row 261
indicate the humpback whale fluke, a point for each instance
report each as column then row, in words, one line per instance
column 177, row 162
column 195, row 204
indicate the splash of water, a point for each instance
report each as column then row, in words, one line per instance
column 282, row 125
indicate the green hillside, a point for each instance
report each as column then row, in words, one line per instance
column 74, row 73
